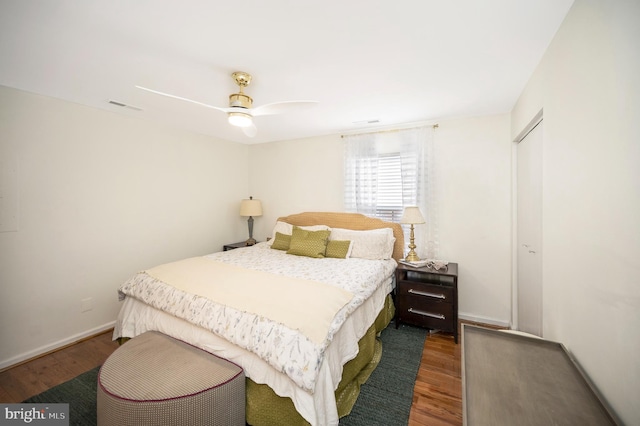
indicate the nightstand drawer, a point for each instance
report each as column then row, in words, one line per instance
column 437, row 309
column 425, row 313
column 428, row 291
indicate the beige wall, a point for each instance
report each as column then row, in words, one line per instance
column 295, row 176
column 474, row 160
column 99, row 196
column 588, row 85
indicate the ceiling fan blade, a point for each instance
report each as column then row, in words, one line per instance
column 182, row 99
column 250, row 131
column 281, row 107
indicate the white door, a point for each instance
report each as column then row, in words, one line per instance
column 529, row 229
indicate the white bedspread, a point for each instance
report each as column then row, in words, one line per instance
column 369, row 281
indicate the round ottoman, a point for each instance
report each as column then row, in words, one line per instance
column 154, row 379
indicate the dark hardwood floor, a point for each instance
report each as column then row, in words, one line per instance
column 30, row 378
column 437, row 396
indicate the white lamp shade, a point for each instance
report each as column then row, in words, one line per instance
column 251, row 207
column 240, row 119
column 412, row 215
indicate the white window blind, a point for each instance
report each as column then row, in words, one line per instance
column 389, row 188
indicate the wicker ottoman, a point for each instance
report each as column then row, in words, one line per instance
column 154, row 379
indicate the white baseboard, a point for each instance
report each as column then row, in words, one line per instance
column 484, row 320
column 55, row 345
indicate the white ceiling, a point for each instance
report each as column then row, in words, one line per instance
column 396, row 61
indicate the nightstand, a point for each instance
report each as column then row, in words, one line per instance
column 232, row 246
column 427, row 297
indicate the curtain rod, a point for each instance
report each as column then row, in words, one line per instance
column 435, row 126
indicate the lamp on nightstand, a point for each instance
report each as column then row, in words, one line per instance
column 250, row 208
column 412, row 216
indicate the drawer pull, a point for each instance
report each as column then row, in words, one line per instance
column 424, row 293
column 426, row 314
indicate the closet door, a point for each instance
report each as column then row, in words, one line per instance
column 529, row 229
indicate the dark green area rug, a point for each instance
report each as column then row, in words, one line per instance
column 384, row 400
column 79, row 393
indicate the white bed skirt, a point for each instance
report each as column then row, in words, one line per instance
column 319, row 408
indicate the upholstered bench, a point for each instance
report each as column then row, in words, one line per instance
column 154, row 379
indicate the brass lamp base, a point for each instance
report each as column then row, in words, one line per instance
column 412, row 256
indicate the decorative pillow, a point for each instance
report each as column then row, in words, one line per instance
column 340, row 249
column 308, row 243
column 371, row 244
column 287, row 229
column 281, row 241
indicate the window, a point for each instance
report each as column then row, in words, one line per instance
column 386, row 171
column 389, row 188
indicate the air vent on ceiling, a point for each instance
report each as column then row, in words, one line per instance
column 366, row 121
column 123, row 105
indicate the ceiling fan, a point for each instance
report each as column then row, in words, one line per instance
column 240, row 112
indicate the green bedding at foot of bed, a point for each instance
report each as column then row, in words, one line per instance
column 264, row 407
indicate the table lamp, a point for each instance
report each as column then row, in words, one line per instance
column 412, row 216
column 250, row 208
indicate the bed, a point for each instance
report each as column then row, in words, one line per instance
column 304, row 360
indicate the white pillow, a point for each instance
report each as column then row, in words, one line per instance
column 372, row 244
column 287, row 229
column 281, row 227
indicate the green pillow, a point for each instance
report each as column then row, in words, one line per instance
column 338, row 249
column 308, row 243
column 281, row 242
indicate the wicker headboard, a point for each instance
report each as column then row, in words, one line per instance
column 355, row 221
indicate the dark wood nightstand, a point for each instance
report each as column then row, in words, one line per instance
column 232, row 246
column 428, row 297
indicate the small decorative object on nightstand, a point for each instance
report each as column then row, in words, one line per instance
column 428, row 297
column 232, row 246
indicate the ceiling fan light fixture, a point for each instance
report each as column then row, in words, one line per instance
column 240, row 119
column 240, row 112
